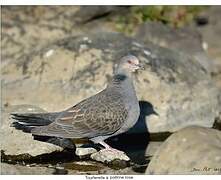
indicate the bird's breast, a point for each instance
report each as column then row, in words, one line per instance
column 130, row 101
column 133, row 109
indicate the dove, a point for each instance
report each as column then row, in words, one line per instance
column 111, row 112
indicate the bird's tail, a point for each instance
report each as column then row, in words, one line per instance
column 27, row 121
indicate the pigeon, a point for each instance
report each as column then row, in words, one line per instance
column 108, row 113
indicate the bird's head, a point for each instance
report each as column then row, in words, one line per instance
column 129, row 63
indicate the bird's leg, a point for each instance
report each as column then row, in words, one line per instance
column 109, row 148
column 105, row 145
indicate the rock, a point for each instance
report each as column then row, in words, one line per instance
column 211, row 36
column 9, row 169
column 192, row 150
column 22, row 26
column 84, row 151
column 186, row 40
column 106, row 156
column 211, row 33
column 152, row 147
column 174, row 87
column 18, row 143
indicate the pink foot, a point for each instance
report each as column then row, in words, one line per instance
column 109, row 148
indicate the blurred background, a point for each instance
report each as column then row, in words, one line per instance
column 54, row 56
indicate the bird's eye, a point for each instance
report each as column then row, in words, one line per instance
column 129, row 61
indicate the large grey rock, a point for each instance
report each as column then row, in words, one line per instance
column 72, row 69
column 185, row 40
column 192, row 150
column 22, row 26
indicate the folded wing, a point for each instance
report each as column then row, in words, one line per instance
column 102, row 114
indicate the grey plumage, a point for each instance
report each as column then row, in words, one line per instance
column 108, row 113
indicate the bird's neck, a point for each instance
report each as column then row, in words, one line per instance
column 123, row 83
column 122, row 77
